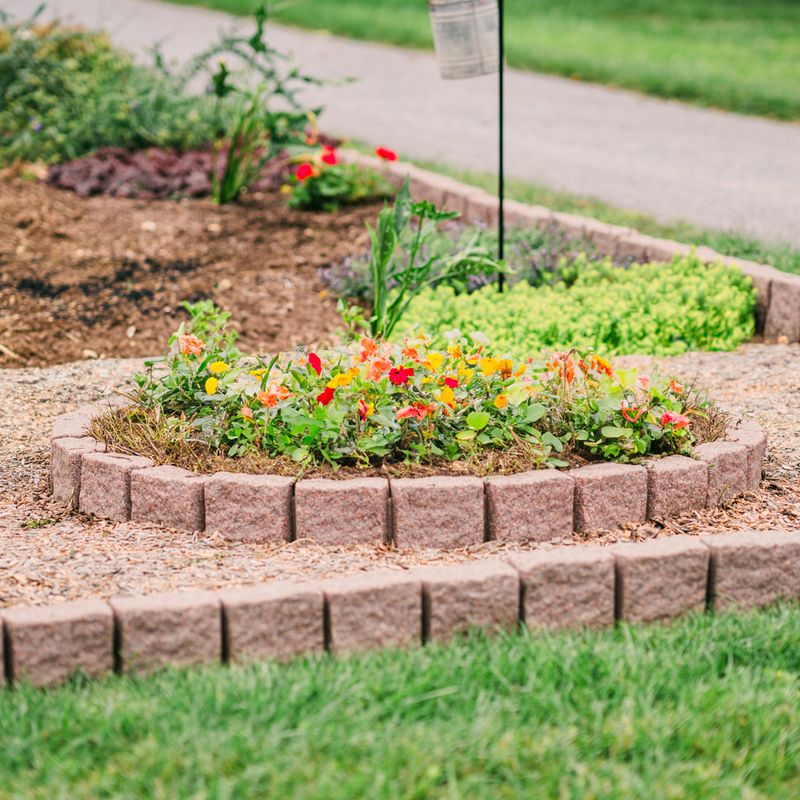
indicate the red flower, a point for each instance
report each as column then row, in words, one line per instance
column 324, row 397
column 677, row 421
column 305, row 171
column 386, row 154
column 329, row 157
column 451, row 382
column 400, row 375
column 315, row 363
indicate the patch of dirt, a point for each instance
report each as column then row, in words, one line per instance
column 104, row 277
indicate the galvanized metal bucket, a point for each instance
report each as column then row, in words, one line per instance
column 465, row 33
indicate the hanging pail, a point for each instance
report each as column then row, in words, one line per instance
column 465, row 34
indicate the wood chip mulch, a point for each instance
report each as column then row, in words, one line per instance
column 48, row 556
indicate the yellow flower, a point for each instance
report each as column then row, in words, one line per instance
column 286, row 189
column 342, row 379
column 257, row 373
column 434, row 361
column 520, row 370
column 217, row 367
column 446, row 396
column 211, row 386
column 465, row 373
column 501, row 401
column 454, row 350
column 488, row 366
column 505, row 366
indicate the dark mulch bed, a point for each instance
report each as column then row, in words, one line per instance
column 103, row 276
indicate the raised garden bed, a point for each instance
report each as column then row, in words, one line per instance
column 445, row 512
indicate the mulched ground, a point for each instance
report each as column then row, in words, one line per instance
column 47, row 556
column 104, row 277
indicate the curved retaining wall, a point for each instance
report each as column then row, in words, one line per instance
column 778, row 305
column 442, row 512
column 566, row 587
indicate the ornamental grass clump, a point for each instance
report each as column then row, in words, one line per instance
column 374, row 404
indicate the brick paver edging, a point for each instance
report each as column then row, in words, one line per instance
column 561, row 588
column 443, row 512
column 778, row 304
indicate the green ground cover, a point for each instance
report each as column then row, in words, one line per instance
column 732, row 54
column 708, row 707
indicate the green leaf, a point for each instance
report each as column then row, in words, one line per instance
column 478, row 420
column 553, row 441
column 614, row 432
column 466, row 436
column 535, row 412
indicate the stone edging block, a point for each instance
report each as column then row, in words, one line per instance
column 565, row 587
column 105, row 485
column 168, row 496
column 609, row 495
column 675, row 485
column 727, row 470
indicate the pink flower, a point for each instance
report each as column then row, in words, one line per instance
column 190, row 345
column 415, row 411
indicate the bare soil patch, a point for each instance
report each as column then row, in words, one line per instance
column 104, row 277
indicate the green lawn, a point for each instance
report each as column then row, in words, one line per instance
column 740, row 55
column 706, row 708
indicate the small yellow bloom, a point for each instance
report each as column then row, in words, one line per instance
column 434, row 361
column 488, row 366
column 505, row 366
column 286, row 189
column 465, row 373
column 218, row 367
column 501, row 401
column 446, row 396
column 454, row 350
column 211, row 385
column 342, row 379
column 257, row 373
column 520, row 370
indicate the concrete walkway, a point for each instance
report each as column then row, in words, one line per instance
column 675, row 161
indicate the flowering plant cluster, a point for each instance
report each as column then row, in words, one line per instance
column 375, row 401
column 322, row 182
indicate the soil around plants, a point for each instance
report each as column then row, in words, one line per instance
column 104, row 277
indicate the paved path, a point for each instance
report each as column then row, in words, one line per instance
column 674, row 161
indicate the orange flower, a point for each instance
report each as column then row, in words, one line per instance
column 602, row 366
column 369, row 347
column 378, row 368
column 190, row 345
column 562, row 365
column 272, row 394
column 411, row 352
column 501, row 401
column 415, row 411
column 676, row 387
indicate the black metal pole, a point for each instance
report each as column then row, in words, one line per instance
column 500, row 154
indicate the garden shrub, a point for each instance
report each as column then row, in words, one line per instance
column 65, row 92
column 658, row 309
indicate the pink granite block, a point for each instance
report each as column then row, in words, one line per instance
column 65, row 467
column 783, row 315
column 762, row 277
column 105, row 487
column 661, row 579
column 74, row 424
column 381, row 608
column 48, row 644
column 675, row 485
column 277, row 620
column 168, row 496
column 252, row 508
column 354, row 511
column 483, row 209
column 568, row 587
column 523, row 215
column 460, row 597
column 609, row 495
column 604, row 235
column 443, row 512
column 727, row 470
column 170, row 629
column 530, row 506
column 755, row 441
column 750, row 569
